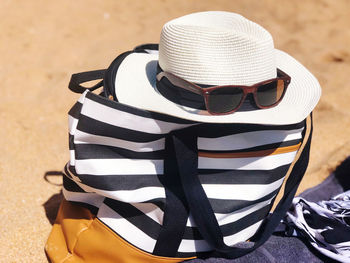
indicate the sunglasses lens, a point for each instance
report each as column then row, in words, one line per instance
column 270, row 93
column 224, row 99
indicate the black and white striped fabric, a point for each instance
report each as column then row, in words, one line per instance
column 325, row 224
column 116, row 169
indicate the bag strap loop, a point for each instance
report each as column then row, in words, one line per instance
column 107, row 76
column 79, row 78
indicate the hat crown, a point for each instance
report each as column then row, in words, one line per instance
column 217, row 48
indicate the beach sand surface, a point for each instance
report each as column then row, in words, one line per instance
column 43, row 42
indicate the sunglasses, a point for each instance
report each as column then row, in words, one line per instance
column 220, row 100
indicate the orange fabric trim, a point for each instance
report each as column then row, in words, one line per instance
column 251, row 154
column 306, row 137
column 78, row 237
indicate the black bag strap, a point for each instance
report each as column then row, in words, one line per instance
column 107, row 76
column 145, row 47
column 79, row 78
column 111, row 72
column 185, row 146
column 176, row 209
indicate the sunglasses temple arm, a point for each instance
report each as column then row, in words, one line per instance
column 181, row 83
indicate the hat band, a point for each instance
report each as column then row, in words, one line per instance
column 192, row 100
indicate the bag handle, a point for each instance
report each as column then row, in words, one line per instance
column 111, row 72
column 79, row 78
column 185, row 142
column 145, row 48
column 107, row 76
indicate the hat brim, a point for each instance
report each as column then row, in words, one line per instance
column 135, row 85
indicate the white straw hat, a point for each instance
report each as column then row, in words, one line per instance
column 217, row 48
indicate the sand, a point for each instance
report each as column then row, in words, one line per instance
column 43, row 42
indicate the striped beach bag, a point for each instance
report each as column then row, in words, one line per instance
column 143, row 186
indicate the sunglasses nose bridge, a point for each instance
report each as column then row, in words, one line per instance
column 248, row 90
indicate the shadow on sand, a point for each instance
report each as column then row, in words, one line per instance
column 52, row 204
